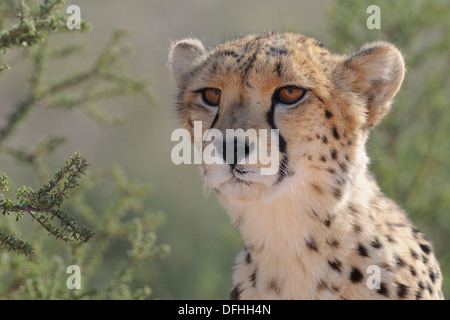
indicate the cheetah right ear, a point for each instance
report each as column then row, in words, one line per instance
column 376, row 73
column 183, row 57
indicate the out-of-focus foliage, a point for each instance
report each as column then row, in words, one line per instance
column 410, row 150
column 106, row 200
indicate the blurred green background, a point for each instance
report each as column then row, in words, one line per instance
column 410, row 150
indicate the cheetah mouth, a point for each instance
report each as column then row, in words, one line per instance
column 243, row 175
column 241, row 172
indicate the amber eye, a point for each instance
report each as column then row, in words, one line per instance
column 289, row 95
column 211, row 96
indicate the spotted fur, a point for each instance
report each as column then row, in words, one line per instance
column 313, row 229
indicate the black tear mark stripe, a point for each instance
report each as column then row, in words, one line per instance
column 215, row 119
column 283, row 170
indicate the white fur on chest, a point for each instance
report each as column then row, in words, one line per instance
column 287, row 247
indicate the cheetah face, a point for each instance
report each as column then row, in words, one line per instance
column 320, row 104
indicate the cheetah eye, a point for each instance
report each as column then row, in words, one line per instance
column 211, row 96
column 289, row 94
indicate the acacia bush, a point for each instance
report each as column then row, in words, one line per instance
column 92, row 211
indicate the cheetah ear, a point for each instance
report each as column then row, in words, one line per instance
column 183, row 57
column 376, row 72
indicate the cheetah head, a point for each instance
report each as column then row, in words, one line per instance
column 321, row 104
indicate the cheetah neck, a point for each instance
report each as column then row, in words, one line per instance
column 289, row 235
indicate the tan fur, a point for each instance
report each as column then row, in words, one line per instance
column 312, row 230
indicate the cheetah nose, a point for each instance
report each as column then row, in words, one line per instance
column 233, row 151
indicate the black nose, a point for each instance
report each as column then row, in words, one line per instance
column 239, row 148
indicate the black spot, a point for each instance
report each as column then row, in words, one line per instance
column 229, row 53
column 421, row 285
column 333, row 243
column 362, row 250
column 325, row 139
column 337, row 193
column 430, row 289
column 413, row 271
column 334, row 154
column 335, row 265
column 319, row 44
column 402, row 290
column 355, row 275
column 376, row 243
column 424, row 259
column 414, row 254
column 331, row 170
column 356, row 228
column 399, row 261
column 432, row 276
column 248, row 258
column 235, row 293
column 425, row 248
column 322, row 285
column 278, row 51
column 383, row 290
column 353, row 209
column 278, row 68
column 311, row 244
column 323, row 159
column 335, row 133
column 343, row 167
column 274, row 285
column 328, row 114
column 253, row 278
column 327, row 222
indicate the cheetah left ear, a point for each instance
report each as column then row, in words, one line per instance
column 183, row 57
column 376, row 73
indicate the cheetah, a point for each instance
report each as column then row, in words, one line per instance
column 318, row 227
